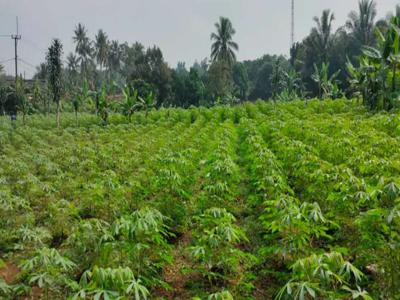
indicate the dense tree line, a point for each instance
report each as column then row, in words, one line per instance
column 318, row 66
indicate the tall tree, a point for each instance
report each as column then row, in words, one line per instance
column 41, row 72
column 323, row 35
column 158, row 74
column 223, row 47
column 362, row 23
column 114, row 56
column 201, row 67
column 4, row 93
column 219, row 80
column 72, row 74
column 294, row 54
column 72, row 63
column 241, row 80
column 83, row 48
column 54, row 67
column 276, row 78
column 132, row 57
column 195, row 88
column 181, row 68
column 101, row 46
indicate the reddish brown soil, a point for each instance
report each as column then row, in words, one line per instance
column 173, row 274
column 177, row 280
column 36, row 294
column 9, row 272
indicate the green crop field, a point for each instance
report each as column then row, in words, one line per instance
column 257, row 201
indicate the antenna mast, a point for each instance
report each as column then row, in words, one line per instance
column 16, row 37
column 292, row 25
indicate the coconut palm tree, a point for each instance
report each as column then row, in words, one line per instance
column 362, row 23
column 83, row 48
column 101, row 46
column 323, row 35
column 223, row 47
column 114, row 56
column 72, row 74
column 72, row 63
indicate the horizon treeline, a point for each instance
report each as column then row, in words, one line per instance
column 220, row 78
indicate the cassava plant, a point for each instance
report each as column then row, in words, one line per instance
column 325, row 276
column 214, row 244
column 108, row 283
column 49, row 270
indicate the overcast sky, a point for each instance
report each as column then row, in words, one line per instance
column 180, row 27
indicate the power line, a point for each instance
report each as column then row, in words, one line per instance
column 33, row 44
column 6, row 60
column 27, row 63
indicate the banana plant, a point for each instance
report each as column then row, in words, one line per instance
column 327, row 85
column 147, row 103
column 371, row 78
column 132, row 102
column 103, row 105
column 376, row 78
column 276, row 78
column 394, row 57
column 292, row 86
column 81, row 96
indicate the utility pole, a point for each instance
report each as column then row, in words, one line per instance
column 292, row 26
column 16, row 37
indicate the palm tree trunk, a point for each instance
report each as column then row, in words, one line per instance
column 58, row 114
column 319, row 90
column 394, row 78
column 393, row 83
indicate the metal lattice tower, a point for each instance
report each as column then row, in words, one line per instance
column 292, row 25
column 16, row 37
